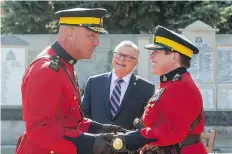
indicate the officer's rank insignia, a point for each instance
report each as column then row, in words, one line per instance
column 55, row 64
column 154, row 38
column 101, row 22
column 148, row 103
column 71, row 62
column 164, row 78
column 158, row 94
column 176, row 77
column 150, row 100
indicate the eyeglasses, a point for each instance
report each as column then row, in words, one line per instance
column 127, row 58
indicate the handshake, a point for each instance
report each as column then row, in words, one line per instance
column 109, row 140
column 109, row 143
column 108, row 128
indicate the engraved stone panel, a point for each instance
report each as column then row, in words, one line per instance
column 202, row 63
column 224, row 65
column 225, row 99
column 100, row 63
column 13, row 67
column 207, row 95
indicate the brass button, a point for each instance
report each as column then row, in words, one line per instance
column 73, row 109
column 75, row 97
column 52, row 152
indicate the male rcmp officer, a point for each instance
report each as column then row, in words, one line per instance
column 50, row 95
column 173, row 117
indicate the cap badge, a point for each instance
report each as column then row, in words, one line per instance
column 101, row 22
column 71, row 62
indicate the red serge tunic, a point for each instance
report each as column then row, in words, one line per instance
column 171, row 111
column 50, row 109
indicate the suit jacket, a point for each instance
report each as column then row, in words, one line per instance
column 96, row 100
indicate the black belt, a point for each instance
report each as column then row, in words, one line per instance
column 191, row 139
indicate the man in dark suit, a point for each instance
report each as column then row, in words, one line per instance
column 119, row 96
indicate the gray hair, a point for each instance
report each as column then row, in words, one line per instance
column 128, row 44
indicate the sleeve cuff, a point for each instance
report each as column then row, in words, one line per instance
column 134, row 140
column 80, row 142
column 95, row 127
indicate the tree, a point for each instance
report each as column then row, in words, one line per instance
column 216, row 14
column 225, row 24
column 26, row 17
column 122, row 17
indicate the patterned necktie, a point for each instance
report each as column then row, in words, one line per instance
column 115, row 98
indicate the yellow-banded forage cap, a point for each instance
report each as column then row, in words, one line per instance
column 169, row 40
column 91, row 18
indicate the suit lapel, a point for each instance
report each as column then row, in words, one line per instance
column 106, row 88
column 128, row 94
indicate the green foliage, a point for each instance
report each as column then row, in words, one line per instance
column 26, row 17
column 122, row 17
column 225, row 23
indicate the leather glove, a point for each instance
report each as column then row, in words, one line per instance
column 90, row 144
column 108, row 128
column 101, row 146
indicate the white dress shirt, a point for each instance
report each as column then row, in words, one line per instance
column 124, row 84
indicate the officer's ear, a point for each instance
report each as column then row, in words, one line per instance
column 175, row 57
column 69, row 32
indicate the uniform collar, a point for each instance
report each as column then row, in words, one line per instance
column 63, row 54
column 173, row 75
column 126, row 78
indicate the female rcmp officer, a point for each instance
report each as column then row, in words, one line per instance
column 173, row 118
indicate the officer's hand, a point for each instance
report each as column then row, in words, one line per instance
column 90, row 144
column 107, row 128
column 101, row 145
